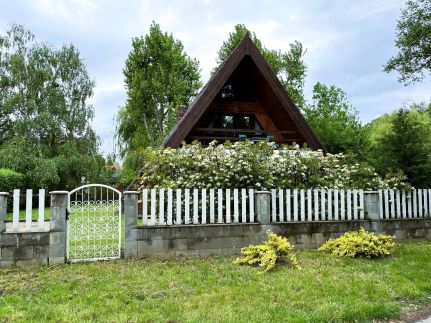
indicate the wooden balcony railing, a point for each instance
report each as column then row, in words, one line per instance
column 223, row 134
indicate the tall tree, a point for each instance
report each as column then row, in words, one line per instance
column 413, row 41
column 289, row 66
column 406, row 146
column 160, row 77
column 43, row 100
column 402, row 140
column 335, row 120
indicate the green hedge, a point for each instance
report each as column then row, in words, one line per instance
column 10, row 180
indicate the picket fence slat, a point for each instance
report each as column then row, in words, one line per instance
column 302, row 205
column 145, row 206
column 212, row 210
column 281, row 208
column 162, row 206
column 355, row 204
column 41, row 210
column 322, row 205
column 243, row 205
column 336, row 214
column 316, row 205
column 398, row 204
column 235, row 206
column 288, row 206
column 309, row 205
column 178, row 208
column 15, row 215
column 403, row 205
column 195, row 206
column 415, row 204
column 420, row 203
column 274, row 205
column 228, row 214
column 425, row 192
column 251, row 201
column 187, row 206
column 204, row 207
column 28, row 209
column 219, row 206
column 295, row 205
column 429, row 201
column 170, row 207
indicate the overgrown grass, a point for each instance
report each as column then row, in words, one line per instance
column 213, row 289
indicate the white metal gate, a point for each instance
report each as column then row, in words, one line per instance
column 94, row 223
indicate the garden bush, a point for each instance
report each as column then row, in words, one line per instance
column 276, row 250
column 9, row 180
column 255, row 165
column 360, row 244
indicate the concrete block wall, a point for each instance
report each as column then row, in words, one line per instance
column 228, row 239
column 36, row 247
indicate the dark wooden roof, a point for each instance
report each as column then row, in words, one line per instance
column 263, row 74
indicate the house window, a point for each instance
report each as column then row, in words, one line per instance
column 233, row 121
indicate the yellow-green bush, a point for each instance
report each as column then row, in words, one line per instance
column 360, row 244
column 276, row 250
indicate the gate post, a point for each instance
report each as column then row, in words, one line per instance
column 57, row 235
column 3, row 207
column 263, row 206
column 131, row 221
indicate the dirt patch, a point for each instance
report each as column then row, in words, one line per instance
column 410, row 316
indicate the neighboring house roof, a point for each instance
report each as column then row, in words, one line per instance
column 115, row 167
column 245, row 49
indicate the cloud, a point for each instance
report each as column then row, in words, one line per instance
column 360, row 11
column 69, row 9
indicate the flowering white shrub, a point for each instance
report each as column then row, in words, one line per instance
column 256, row 165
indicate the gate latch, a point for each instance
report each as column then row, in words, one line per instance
column 67, row 215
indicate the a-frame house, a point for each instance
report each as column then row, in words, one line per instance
column 243, row 100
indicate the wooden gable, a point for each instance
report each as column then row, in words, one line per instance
column 244, row 100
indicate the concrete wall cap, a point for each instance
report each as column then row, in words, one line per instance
column 262, row 192
column 4, row 193
column 130, row 192
column 59, row 192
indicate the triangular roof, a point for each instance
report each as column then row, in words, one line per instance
column 245, row 49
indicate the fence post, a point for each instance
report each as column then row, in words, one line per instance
column 371, row 205
column 3, row 208
column 57, row 236
column 131, row 221
column 263, row 206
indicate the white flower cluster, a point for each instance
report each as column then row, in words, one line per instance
column 257, row 165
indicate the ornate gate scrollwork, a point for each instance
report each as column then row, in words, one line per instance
column 94, row 223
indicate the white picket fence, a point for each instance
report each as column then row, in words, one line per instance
column 211, row 206
column 160, row 206
column 202, row 206
column 28, row 223
column 317, row 205
column 395, row 204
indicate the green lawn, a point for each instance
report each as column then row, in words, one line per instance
column 34, row 214
column 213, row 289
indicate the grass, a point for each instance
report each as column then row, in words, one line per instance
column 34, row 214
column 213, row 289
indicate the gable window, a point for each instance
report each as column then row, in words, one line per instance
column 233, row 121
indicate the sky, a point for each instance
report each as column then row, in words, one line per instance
column 347, row 42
